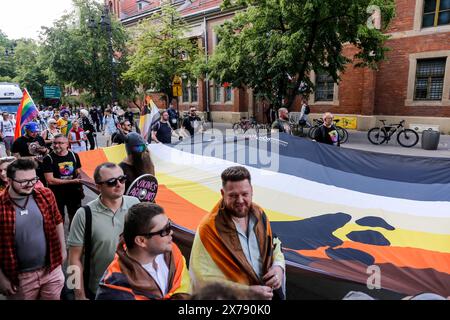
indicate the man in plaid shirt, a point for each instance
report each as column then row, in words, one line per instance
column 32, row 246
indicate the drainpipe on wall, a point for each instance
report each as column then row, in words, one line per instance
column 208, row 112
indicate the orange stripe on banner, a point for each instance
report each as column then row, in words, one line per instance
column 180, row 210
column 398, row 256
column 90, row 160
column 405, row 257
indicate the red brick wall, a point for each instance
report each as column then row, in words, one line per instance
column 392, row 78
column 404, row 16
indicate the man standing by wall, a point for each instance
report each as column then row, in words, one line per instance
column 31, row 236
column 107, row 213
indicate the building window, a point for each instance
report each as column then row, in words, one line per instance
column 228, row 94
column 436, row 13
column 430, row 75
column 324, row 87
column 194, row 93
column 185, row 92
column 217, row 93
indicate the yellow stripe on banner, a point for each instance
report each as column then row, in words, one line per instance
column 206, row 198
column 115, row 154
column 402, row 238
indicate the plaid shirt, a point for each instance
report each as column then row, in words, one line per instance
column 51, row 217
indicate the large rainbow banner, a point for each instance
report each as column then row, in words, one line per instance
column 26, row 112
column 337, row 211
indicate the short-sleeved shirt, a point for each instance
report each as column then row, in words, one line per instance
column 7, row 128
column 163, row 132
column 63, row 167
column 27, row 146
column 106, row 229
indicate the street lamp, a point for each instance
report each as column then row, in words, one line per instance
column 105, row 23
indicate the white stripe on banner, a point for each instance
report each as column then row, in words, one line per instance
column 299, row 187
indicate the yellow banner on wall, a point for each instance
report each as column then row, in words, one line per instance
column 347, row 122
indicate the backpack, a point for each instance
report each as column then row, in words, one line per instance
column 307, row 109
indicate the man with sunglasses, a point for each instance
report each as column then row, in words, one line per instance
column 120, row 136
column 147, row 265
column 31, row 236
column 107, row 212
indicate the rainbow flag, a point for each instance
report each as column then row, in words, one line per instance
column 26, row 112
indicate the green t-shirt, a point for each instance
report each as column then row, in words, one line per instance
column 106, row 229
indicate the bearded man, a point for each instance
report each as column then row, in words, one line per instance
column 234, row 243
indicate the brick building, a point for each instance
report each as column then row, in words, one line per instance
column 413, row 84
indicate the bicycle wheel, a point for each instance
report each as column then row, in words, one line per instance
column 237, row 128
column 377, row 135
column 343, row 134
column 312, row 132
column 407, row 138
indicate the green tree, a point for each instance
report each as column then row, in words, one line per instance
column 77, row 52
column 272, row 46
column 7, row 70
column 161, row 51
column 30, row 72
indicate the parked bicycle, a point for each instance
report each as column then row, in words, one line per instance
column 405, row 137
column 343, row 133
column 245, row 124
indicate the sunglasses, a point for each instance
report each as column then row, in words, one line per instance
column 162, row 233
column 138, row 148
column 30, row 182
column 113, row 181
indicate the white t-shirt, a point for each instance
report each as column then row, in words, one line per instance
column 7, row 127
column 160, row 274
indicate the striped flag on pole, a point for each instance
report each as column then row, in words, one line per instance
column 26, row 112
column 149, row 116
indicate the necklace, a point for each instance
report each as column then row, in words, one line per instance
column 23, row 209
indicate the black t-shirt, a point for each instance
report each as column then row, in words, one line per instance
column 327, row 135
column 63, row 167
column 118, row 138
column 189, row 123
column 163, row 132
column 27, row 146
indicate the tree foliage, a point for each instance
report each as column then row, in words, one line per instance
column 272, row 46
column 161, row 51
column 77, row 53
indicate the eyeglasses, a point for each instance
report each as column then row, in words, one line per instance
column 138, row 148
column 60, row 142
column 24, row 183
column 162, row 233
column 113, row 181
